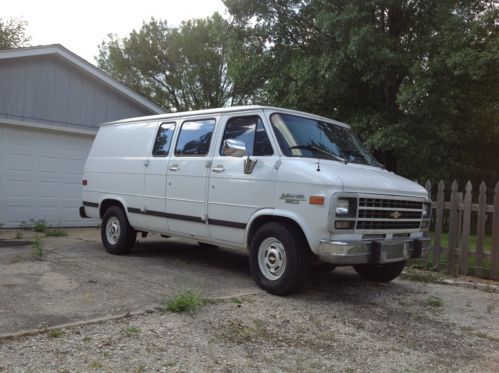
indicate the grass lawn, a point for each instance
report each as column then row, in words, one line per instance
column 429, row 262
column 444, row 242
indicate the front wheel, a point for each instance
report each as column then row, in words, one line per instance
column 118, row 236
column 380, row 272
column 279, row 258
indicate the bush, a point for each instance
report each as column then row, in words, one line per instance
column 37, row 247
column 185, row 302
column 55, row 333
column 39, row 226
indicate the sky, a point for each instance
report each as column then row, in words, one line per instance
column 81, row 26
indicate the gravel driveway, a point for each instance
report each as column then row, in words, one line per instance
column 337, row 323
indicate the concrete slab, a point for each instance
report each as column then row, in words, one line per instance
column 78, row 280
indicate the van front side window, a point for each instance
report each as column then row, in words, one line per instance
column 195, row 138
column 163, row 140
column 251, row 132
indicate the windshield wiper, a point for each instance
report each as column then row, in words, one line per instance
column 358, row 153
column 379, row 164
column 317, row 149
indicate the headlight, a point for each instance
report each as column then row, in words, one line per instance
column 345, row 207
column 426, row 210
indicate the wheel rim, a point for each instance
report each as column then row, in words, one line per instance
column 113, row 230
column 272, row 258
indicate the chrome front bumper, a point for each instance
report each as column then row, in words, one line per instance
column 358, row 252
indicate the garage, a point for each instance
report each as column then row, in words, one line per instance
column 40, row 176
column 52, row 103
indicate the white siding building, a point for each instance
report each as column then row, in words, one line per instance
column 51, row 104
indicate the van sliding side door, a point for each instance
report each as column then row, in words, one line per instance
column 156, row 178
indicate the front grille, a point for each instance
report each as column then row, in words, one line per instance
column 377, row 224
column 390, row 203
column 388, row 214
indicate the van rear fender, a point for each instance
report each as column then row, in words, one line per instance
column 108, row 201
column 263, row 216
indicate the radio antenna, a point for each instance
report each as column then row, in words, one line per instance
column 320, row 144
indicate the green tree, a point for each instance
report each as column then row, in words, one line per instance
column 179, row 69
column 13, row 34
column 418, row 80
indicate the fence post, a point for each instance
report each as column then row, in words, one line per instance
column 439, row 216
column 494, row 254
column 480, row 230
column 465, row 232
column 459, row 220
column 453, row 230
column 427, row 186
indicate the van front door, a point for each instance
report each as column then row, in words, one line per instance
column 234, row 195
column 186, row 190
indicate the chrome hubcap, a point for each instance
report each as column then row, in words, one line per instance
column 272, row 258
column 113, row 230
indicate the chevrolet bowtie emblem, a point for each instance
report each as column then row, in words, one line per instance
column 395, row 215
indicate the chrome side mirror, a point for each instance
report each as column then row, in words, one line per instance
column 234, row 148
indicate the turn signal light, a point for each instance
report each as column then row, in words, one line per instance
column 316, row 200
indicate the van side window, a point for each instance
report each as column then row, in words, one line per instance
column 195, row 138
column 163, row 140
column 251, row 131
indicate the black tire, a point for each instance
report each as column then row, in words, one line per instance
column 207, row 245
column 124, row 240
column 380, row 272
column 281, row 238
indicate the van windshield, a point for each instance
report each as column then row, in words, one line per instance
column 309, row 138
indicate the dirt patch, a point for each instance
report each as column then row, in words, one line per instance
column 77, row 280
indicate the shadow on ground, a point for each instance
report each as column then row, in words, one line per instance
column 77, row 280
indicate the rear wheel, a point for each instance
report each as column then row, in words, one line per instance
column 279, row 258
column 118, row 236
column 380, row 272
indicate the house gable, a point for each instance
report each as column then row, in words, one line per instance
column 49, row 88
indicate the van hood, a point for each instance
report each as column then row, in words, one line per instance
column 372, row 180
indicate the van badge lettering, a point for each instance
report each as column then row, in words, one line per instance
column 292, row 198
column 395, row 215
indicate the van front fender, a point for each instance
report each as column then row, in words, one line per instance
column 268, row 215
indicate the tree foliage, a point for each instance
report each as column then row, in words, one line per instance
column 417, row 79
column 179, row 69
column 13, row 34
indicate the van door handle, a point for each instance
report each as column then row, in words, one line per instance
column 173, row 167
column 218, row 168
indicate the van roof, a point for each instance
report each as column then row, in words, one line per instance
column 185, row 114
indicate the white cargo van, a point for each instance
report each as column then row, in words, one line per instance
column 295, row 189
